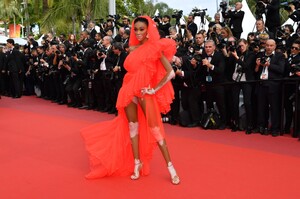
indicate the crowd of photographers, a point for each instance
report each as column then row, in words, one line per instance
column 212, row 68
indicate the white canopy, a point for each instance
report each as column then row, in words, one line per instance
column 248, row 21
column 3, row 39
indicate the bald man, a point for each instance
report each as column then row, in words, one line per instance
column 236, row 18
column 269, row 67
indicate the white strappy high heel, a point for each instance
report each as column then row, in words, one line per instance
column 137, row 168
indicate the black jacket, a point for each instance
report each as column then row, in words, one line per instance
column 15, row 61
column 217, row 74
column 248, row 65
column 272, row 15
column 236, row 19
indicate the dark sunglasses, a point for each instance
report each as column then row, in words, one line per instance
column 296, row 48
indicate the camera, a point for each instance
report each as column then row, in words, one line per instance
column 102, row 51
column 174, row 66
column 200, row 13
column 177, row 14
column 253, row 45
column 280, row 45
column 263, row 60
column 113, row 17
column 295, row 68
column 260, row 8
column 223, row 6
column 222, row 44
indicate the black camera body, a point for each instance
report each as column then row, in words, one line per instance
column 223, row 6
column 177, row 14
column 113, row 17
column 199, row 12
column 295, row 68
column 260, row 8
column 263, row 60
column 102, row 51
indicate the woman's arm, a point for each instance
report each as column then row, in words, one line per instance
column 168, row 76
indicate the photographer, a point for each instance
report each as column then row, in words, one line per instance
column 213, row 65
column 105, row 65
column 215, row 34
column 236, row 18
column 269, row 66
column 73, row 86
column 190, row 72
column 88, row 69
column 217, row 21
column 177, row 83
column 292, row 8
column 260, row 28
column 272, row 14
column 293, row 72
column 244, row 71
column 164, row 24
column 227, row 47
column 199, row 44
column 191, row 26
column 62, row 58
column 119, row 73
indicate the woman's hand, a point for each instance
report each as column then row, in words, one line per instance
column 149, row 91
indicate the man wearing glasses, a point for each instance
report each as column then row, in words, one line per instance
column 293, row 72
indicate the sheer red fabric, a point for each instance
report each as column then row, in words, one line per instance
column 108, row 143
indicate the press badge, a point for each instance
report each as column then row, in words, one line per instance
column 208, row 78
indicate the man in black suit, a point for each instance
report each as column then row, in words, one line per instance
column 119, row 72
column 272, row 15
column 190, row 72
column 191, row 26
column 213, row 65
column 15, row 66
column 269, row 66
column 289, row 94
column 2, row 71
column 164, row 25
column 236, row 18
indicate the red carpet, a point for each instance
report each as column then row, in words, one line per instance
column 43, row 157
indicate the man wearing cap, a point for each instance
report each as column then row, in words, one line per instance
column 125, row 22
column 15, row 66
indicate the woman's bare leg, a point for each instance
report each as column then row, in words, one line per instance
column 131, row 114
column 155, row 128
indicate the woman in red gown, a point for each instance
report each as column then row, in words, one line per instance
column 124, row 145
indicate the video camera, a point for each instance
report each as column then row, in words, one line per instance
column 113, row 17
column 260, row 8
column 200, row 13
column 177, row 14
column 223, row 6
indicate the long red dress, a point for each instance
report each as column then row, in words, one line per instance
column 108, row 143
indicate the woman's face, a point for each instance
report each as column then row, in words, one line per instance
column 140, row 30
column 243, row 47
column 224, row 34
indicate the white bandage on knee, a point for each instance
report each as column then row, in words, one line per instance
column 135, row 100
column 133, row 129
column 157, row 134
